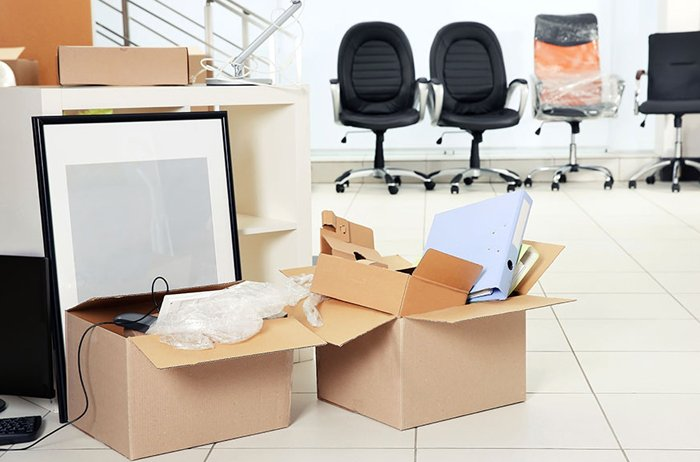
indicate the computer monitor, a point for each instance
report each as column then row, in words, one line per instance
column 26, row 365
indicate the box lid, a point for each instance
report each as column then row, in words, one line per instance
column 548, row 253
column 447, row 270
column 512, row 304
column 276, row 335
column 343, row 322
column 7, row 54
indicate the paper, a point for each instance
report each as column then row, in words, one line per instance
column 526, row 261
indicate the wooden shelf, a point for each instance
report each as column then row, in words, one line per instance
column 250, row 224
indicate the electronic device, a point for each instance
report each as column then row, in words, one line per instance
column 26, row 328
column 19, row 429
column 135, row 321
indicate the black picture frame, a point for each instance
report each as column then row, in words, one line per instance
column 39, row 125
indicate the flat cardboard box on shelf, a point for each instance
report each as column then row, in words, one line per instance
column 404, row 349
column 147, row 398
column 26, row 71
column 126, row 66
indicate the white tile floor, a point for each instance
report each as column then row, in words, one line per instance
column 612, row 377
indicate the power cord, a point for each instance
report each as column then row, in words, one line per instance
column 156, row 307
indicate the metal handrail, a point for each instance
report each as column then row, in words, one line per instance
column 136, row 21
column 126, row 40
column 99, row 32
column 253, row 17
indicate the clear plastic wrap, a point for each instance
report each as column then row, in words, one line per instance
column 198, row 321
column 568, row 83
column 310, row 306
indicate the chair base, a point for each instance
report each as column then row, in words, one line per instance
column 560, row 172
column 676, row 163
column 468, row 175
column 391, row 176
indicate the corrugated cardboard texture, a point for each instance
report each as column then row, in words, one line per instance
column 368, row 286
column 127, row 66
column 105, row 373
column 454, row 370
column 342, row 321
column 488, row 309
column 276, row 335
column 190, row 406
column 43, row 25
column 364, row 375
column 548, row 253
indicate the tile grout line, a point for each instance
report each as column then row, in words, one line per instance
column 602, row 228
column 211, row 449
column 415, row 444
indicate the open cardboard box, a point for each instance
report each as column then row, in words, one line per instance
column 26, row 71
column 403, row 348
column 147, row 398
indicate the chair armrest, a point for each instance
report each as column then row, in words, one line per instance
column 435, row 99
column 637, row 86
column 524, row 90
column 335, row 96
column 422, row 91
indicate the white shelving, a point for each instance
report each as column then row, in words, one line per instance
column 269, row 134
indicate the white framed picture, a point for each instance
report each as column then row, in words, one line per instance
column 127, row 198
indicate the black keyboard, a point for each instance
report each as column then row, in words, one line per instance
column 19, row 429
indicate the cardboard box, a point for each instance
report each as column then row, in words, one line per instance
column 128, row 66
column 147, row 398
column 406, row 350
column 26, row 70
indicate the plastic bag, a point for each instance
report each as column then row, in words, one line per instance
column 196, row 321
column 310, row 306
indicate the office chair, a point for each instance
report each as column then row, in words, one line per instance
column 468, row 91
column 376, row 89
column 673, row 87
column 568, row 84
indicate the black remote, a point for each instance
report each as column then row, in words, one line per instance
column 19, row 429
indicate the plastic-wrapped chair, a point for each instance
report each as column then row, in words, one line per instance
column 568, row 84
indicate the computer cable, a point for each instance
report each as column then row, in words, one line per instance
column 156, row 307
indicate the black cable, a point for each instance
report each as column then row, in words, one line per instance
column 156, row 306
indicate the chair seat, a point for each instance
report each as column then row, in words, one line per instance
column 479, row 122
column 379, row 121
column 689, row 106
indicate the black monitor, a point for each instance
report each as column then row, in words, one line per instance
column 26, row 366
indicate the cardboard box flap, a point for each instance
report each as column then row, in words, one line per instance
column 457, row 314
column 447, row 270
column 276, row 335
column 548, row 253
column 351, row 250
column 8, row 54
column 340, row 228
column 342, row 322
column 363, row 285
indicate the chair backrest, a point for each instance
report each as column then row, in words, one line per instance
column 674, row 66
column 375, row 69
column 466, row 57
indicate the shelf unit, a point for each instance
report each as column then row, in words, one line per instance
column 269, row 134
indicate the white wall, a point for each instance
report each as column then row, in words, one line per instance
column 624, row 27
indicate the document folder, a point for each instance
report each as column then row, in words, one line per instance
column 488, row 233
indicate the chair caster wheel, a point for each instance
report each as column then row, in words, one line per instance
column 675, row 187
column 555, row 186
column 562, row 178
column 608, row 184
column 339, row 188
column 528, row 182
column 468, row 180
column 429, row 185
column 510, row 188
column 518, row 183
column 393, row 190
column 632, row 184
column 651, row 179
column 397, row 180
column 454, row 189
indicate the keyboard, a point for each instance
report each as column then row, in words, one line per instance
column 19, row 429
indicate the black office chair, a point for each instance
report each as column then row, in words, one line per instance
column 569, row 86
column 673, row 87
column 376, row 89
column 468, row 91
